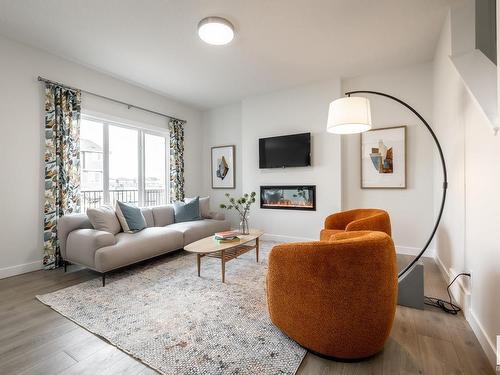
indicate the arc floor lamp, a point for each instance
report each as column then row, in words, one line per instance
column 352, row 114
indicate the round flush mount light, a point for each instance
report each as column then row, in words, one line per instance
column 215, row 30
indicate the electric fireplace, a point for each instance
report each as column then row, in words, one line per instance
column 289, row 197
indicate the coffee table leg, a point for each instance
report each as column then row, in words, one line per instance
column 198, row 262
column 223, row 263
column 257, row 248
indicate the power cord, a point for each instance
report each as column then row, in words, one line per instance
column 447, row 306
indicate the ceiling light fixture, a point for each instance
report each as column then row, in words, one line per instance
column 215, row 30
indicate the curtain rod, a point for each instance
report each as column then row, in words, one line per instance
column 108, row 98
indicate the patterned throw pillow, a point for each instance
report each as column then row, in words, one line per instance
column 131, row 217
column 187, row 211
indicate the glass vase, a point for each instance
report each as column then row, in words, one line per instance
column 244, row 228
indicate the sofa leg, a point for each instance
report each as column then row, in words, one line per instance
column 103, row 279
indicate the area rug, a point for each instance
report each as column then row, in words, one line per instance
column 177, row 323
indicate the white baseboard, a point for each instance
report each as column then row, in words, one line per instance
column 462, row 295
column 459, row 291
column 482, row 337
column 20, row 268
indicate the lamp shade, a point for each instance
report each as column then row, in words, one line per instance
column 349, row 116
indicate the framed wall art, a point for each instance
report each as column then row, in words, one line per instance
column 223, row 167
column 383, row 158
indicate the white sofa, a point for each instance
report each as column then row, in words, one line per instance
column 103, row 251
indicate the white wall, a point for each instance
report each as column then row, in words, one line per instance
column 22, row 140
column 297, row 110
column 467, row 237
column 411, row 209
column 222, row 127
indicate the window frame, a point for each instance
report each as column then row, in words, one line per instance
column 141, row 133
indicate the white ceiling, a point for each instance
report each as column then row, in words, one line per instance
column 278, row 43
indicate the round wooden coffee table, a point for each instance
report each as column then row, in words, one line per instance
column 225, row 251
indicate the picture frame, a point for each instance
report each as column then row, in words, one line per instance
column 223, row 168
column 383, row 158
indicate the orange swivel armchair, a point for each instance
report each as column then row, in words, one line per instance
column 337, row 298
column 359, row 219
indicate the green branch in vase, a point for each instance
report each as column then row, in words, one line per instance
column 242, row 205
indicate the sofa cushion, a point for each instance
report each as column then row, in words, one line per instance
column 134, row 247
column 187, row 211
column 147, row 212
column 204, row 206
column 196, row 230
column 163, row 215
column 104, row 218
column 130, row 217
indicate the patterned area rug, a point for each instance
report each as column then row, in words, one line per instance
column 177, row 323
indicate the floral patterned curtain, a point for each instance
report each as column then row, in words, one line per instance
column 176, row 130
column 62, row 164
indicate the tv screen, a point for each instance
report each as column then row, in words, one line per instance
column 285, row 151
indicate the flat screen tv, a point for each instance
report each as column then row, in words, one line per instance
column 285, row 151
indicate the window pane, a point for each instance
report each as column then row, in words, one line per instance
column 154, row 170
column 123, row 165
column 91, row 162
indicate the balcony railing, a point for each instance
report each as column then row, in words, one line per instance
column 95, row 198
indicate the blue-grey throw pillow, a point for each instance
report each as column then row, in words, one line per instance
column 187, row 211
column 130, row 217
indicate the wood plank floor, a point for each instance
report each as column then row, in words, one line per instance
column 34, row 339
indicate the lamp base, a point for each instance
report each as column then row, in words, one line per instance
column 411, row 288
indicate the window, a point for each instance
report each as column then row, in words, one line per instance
column 155, row 168
column 123, row 163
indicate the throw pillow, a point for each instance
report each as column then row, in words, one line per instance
column 187, row 211
column 131, row 217
column 104, row 218
column 204, row 206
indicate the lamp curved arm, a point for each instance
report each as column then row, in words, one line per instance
column 443, row 165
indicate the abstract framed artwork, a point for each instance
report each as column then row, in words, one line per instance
column 383, row 158
column 223, row 167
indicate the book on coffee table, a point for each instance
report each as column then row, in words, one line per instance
column 226, row 240
column 227, row 234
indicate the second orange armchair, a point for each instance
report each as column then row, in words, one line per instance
column 355, row 220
